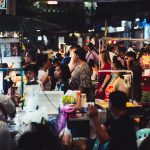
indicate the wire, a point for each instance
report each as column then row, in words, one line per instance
column 48, row 98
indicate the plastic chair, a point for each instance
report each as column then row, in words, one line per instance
column 98, row 145
column 142, row 133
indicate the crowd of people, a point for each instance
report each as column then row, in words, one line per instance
column 82, row 65
column 77, row 70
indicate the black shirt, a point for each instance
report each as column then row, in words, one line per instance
column 122, row 134
column 137, row 78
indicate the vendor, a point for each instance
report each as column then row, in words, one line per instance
column 117, row 82
column 7, row 107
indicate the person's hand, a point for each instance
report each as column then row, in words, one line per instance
column 92, row 113
column 100, row 90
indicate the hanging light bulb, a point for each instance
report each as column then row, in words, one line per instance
column 52, row 2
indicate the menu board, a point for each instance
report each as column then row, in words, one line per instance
column 9, row 48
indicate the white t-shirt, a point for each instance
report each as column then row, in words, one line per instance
column 27, row 88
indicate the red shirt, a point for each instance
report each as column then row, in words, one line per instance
column 102, row 75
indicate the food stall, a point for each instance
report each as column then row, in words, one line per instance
column 145, row 62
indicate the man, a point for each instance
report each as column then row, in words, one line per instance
column 7, row 107
column 91, row 53
column 118, row 131
column 72, row 64
column 81, row 76
column 133, row 65
column 5, row 137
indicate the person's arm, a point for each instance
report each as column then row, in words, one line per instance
column 101, row 130
column 44, row 79
column 106, row 80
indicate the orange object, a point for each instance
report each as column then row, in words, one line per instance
column 137, row 120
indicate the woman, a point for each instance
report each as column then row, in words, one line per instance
column 81, row 76
column 72, row 64
column 103, row 77
column 117, row 83
column 62, row 74
column 5, row 136
column 44, row 65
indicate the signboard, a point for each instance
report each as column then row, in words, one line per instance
column 3, row 4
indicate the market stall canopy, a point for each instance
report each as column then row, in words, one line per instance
column 16, row 23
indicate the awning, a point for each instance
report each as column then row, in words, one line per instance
column 16, row 23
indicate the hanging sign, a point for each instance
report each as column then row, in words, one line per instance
column 3, row 4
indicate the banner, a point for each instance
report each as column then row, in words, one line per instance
column 3, row 4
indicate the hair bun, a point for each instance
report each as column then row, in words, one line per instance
column 115, row 59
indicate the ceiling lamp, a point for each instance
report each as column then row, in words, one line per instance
column 52, row 2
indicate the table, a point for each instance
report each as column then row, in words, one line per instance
column 134, row 110
column 79, row 125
